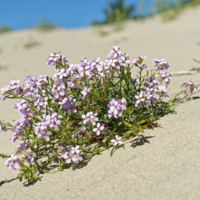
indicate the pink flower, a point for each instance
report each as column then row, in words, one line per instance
column 90, row 118
column 61, row 74
column 115, row 52
column 75, row 149
column 124, row 61
column 139, row 97
column 117, row 140
column 86, row 118
column 13, row 162
column 121, row 103
column 31, row 158
column 77, row 157
column 99, row 129
column 53, row 58
column 191, row 86
column 3, row 127
column 86, row 90
column 46, row 136
column 69, row 158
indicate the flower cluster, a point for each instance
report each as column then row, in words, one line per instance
column 90, row 118
column 13, row 86
column 31, row 158
column 116, row 108
column 161, row 64
column 23, row 146
column 72, row 155
column 54, row 58
column 13, row 162
column 166, row 77
column 48, row 122
column 138, row 62
column 191, row 86
column 151, row 92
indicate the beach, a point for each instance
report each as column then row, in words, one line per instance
column 161, row 163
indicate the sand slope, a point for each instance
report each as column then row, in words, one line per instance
column 162, row 165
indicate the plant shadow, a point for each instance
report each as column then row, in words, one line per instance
column 140, row 140
column 193, row 98
column 7, row 181
column 80, row 165
column 179, row 102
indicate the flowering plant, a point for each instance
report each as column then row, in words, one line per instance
column 88, row 108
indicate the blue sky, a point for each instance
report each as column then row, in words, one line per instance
column 23, row 14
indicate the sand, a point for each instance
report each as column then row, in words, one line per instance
column 164, row 163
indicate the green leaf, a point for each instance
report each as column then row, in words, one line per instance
column 20, row 175
column 24, row 168
column 147, row 73
column 141, row 130
column 111, row 132
column 127, row 124
column 129, row 132
column 111, row 153
column 130, row 100
column 142, row 122
column 4, row 156
column 78, row 105
column 35, row 139
column 36, row 177
column 96, row 150
column 133, row 134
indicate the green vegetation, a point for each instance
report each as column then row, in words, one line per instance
column 5, row 29
column 116, row 13
column 45, row 25
column 31, row 43
column 170, row 9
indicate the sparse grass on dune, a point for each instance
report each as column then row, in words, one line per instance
column 45, row 25
column 170, row 10
column 31, row 43
column 5, row 29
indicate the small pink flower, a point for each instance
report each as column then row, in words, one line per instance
column 46, row 136
column 117, row 140
column 99, row 129
column 75, row 149
column 69, row 158
column 77, row 157
column 13, row 162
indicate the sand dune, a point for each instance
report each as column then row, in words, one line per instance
column 164, row 165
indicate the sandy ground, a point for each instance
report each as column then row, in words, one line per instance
column 164, row 163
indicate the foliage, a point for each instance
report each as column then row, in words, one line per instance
column 5, row 29
column 170, row 10
column 45, row 25
column 31, row 43
column 117, row 11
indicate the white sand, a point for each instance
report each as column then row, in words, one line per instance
column 165, row 167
